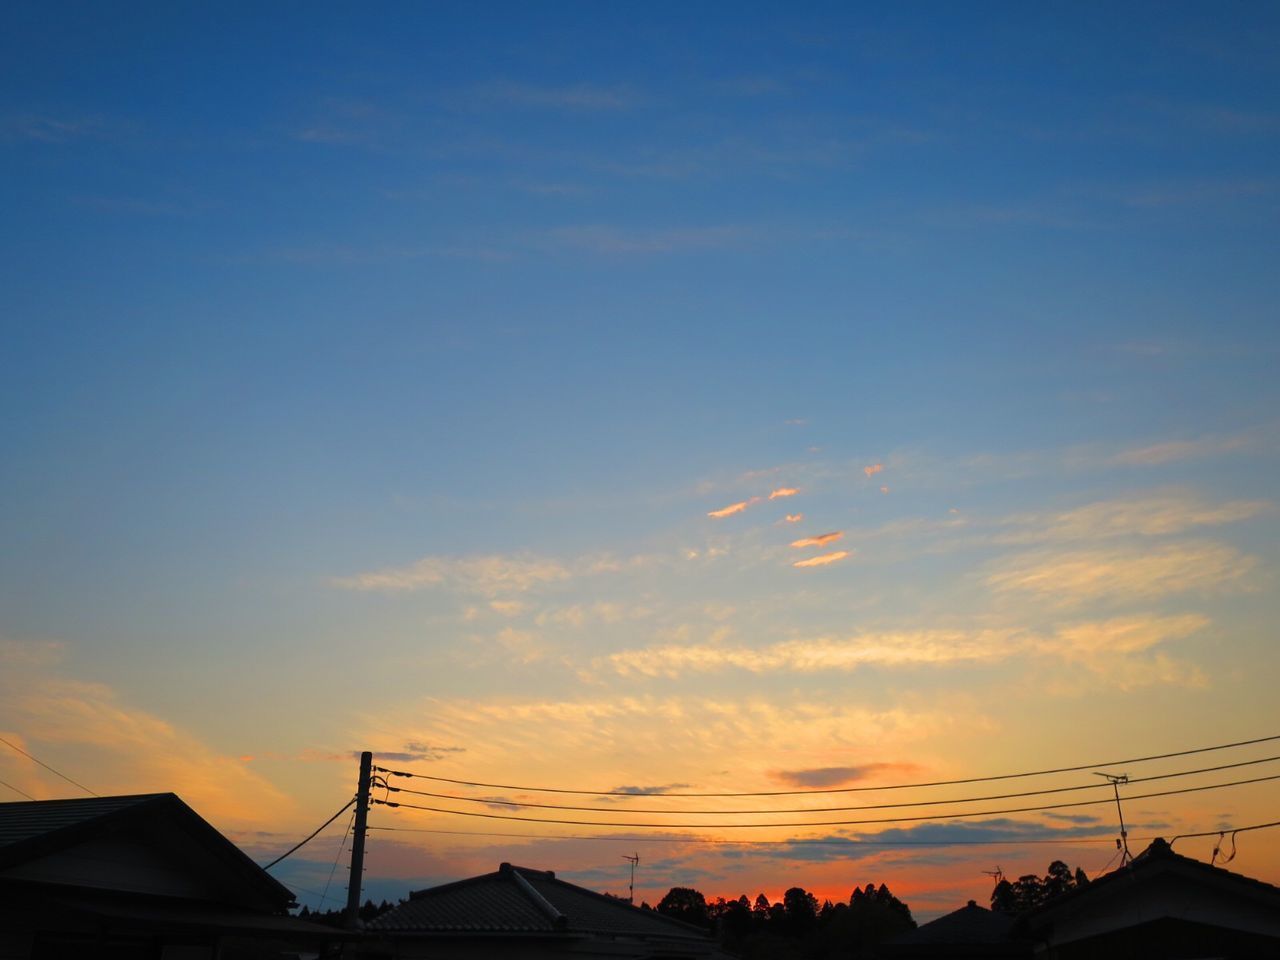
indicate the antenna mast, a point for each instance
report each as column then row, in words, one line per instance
column 631, row 890
column 1115, row 780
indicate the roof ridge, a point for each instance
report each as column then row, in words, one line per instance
column 542, row 903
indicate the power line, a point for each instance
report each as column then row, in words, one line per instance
column 821, row 841
column 47, row 767
column 796, row 793
column 1212, row 833
column 825, row 841
column 16, row 790
column 873, row 806
column 338, row 856
column 822, row 823
column 298, row 846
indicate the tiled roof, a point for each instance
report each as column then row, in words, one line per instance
column 28, row 819
column 36, row 827
column 970, row 924
column 1158, row 858
column 521, row 900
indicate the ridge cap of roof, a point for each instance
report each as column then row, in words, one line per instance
column 545, row 906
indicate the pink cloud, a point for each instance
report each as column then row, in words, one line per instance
column 732, row 508
column 783, row 492
column 823, row 560
column 872, row 470
column 819, row 541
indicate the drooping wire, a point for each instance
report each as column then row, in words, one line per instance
column 1210, row 833
column 16, row 790
column 312, row 836
column 494, row 801
column 74, row 783
column 1107, row 865
column 338, row 856
column 825, row 823
column 796, row 793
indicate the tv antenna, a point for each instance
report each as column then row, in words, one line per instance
column 631, row 890
column 1115, row 780
column 997, row 874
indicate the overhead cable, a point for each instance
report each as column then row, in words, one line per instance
column 823, row 841
column 873, row 806
column 16, row 790
column 74, row 783
column 796, row 793
column 824, row 823
column 312, row 836
column 818, row 841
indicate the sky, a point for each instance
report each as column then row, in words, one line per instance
column 718, row 398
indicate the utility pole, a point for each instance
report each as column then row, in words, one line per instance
column 631, row 890
column 1115, row 780
column 357, row 842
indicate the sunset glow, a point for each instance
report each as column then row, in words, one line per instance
column 647, row 403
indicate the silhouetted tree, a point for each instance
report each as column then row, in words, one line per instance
column 685, row 903
column 800, row 911
column 1029, row 891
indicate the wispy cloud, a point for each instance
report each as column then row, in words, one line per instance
column 819, row 541
column 823, row 560
column 732, row 508
column 872, row 469
column 839, row 776
column 783, row 492
column 43, row 128
column 616, row 241
column 1154, row 515
column 651, row 791
column 487, row 575
column 117, row 747
column 413, row 751
column 1072, row 577
column 581, row 97
column 1100, row 646
column 1170, row 451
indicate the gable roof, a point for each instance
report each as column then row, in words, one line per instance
column 521, row 901
column 26, row 820
column 1159, row 859
column 35, row 828
column 971, row 924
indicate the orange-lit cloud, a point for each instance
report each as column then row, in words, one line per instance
column 732, row 508
column 1117, row 650
column 1075, row 576
column 884, row 489
column 873, row 469
column 823, row 560
column 783, row 492
column 793, row 517
column 115, row 747
column 819, row 541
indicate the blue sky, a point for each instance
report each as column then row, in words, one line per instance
column 408, row 350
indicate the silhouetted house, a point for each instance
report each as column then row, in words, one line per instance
column 1160, row 905
column 971, row 933
column 525, row 914
column 136, row 877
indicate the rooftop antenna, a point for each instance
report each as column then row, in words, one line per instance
column 631, row 890
column 997, row 874
column 1115, row 780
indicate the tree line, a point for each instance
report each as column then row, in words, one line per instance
column 797, row 926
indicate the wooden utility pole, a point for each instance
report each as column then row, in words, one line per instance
column 357, row 842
